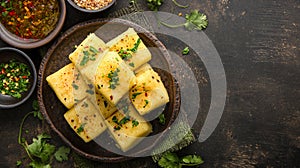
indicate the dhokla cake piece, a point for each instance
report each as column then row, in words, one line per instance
column 149, row 92
column 131, row 48
column 128, row 128
column 105, row 107
column 88, row 51
column 68, row 85
column 85, row 120
column 142, row 69
column 113, row 78
column 88, row 54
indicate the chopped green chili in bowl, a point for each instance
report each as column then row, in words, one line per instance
column 18, row 77
column 14, row 78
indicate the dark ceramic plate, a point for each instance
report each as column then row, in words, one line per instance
column 7, row 54
column 53, row 110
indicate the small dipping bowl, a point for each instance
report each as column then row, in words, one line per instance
column 25, row 43
column 71, row 2
column 7, row 54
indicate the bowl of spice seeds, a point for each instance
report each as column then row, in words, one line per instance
column 29, row 23
column 17, row 77
column 91, row 6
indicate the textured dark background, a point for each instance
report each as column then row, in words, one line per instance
column 259, row 44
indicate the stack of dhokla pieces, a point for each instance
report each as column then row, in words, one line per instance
column 109, row 73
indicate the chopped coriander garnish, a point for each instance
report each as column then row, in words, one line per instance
column 135, row 123
column 131, row 64
column 125, row 55
column 162, row 119
column 186, row 50
column 94, row 50
column 134, row 95
column 75, row 86
column 90, row 91
column 81, row 128
column 136, row 45
column 117, row 127
column 146, row 103
column 88, row 55
column 85, row 58
column 85, row 104
column 124, row 120
column 14, row 78
column 113, row 78
column 115, row 120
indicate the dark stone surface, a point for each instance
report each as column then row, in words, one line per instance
column 258, row 42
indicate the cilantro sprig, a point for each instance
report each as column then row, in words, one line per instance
column 194, row 21
column 171, row 160
column 40, row 151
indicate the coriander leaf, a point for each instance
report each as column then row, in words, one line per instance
column 124, row 121
column 38, row 114
column 196, row 20
column 115, row 120
column 162, row 119
column 40, row 148
column 125, row 55
column 186, row 50
column 135, row 123
column 134, row 95
column 35, row 105
column 85, row 59
column 81, row 128
column 36, row 164
column 169, row 160
column 131, row 64
column 136, row 45
column 46, row 153
column 171, row 157
column 146, row 103
column 192, row 160
column 62, row 153
column 19, row 163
